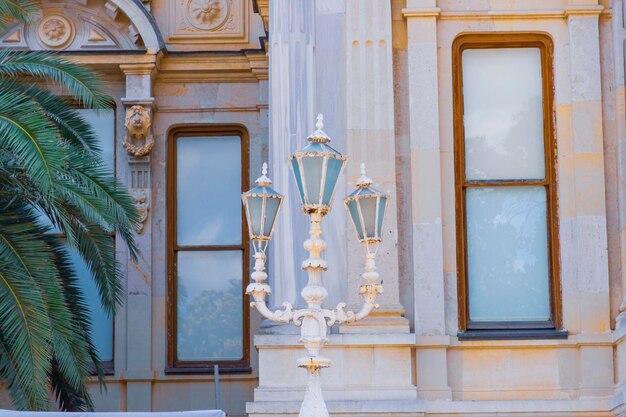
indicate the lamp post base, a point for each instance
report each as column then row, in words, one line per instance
column 313, row 404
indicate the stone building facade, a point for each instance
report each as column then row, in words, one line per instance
column 497, row 127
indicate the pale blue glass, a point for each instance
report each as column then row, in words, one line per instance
column 208, row 190
column 333, row 169
column 353, row 209
column 271, row 210
column 503, row 113
column 101, row 323
column 298, row 175
column 368, row 210
column 255, row 210
column 103, row 125
column 507, row 254
column 312, row 169
column 382, row 204
column 210, row 305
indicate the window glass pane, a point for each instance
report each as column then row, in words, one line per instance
column 507, row 254
column 101, row 323
column 209, row 190
column 210, row 305
column 103, row 124
column 503, row 114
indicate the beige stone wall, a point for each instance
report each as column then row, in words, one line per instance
column 212, row 68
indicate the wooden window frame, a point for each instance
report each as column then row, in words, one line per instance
column 510, row 329
column 174, row 365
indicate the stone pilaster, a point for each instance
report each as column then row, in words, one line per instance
column 426, row 198
column 370, row 139
column 137, row 143
column 292, row 81
column 585, row 275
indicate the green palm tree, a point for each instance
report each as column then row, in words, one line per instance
column 51, row 166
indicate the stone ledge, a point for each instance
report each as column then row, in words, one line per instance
column 541, row 408
column 267, row 341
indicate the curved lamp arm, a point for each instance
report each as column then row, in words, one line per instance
column 259, row 290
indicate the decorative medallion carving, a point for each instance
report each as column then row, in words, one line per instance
column 208, row 14
column 55, row 32
column 208, row 21
column 140, row 197
column 139, row 140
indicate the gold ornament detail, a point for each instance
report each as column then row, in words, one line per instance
column 139, row 140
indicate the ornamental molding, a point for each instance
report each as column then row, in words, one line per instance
column 75, row 26
column 208, row 21
column 138, row 140
column 142, row 203
column 55, row 32
column 208, row 15
column 416, row 12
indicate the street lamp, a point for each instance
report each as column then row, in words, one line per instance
column 316, row 168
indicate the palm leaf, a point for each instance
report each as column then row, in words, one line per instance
column 72, row 127
column 16, row 10
column 25, row 274
column 82, row 83
column 30, row 136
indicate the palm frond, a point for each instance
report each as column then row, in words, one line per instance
column 82, row 83
column 31, row 137
column 72, row 127
column 25, row 263
column 16, row 10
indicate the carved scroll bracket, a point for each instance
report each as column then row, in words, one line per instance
column 138, row 139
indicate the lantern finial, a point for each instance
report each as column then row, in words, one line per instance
column 263, row 180
column 364, row 180
column 319, row 135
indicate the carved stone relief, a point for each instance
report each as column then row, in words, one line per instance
column 76, row 25
column 208, row 21
column 138, row 140
column 140, row 196
column 55, row 32
column 207, row 14
column 139, row 180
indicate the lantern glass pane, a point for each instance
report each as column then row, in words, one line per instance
column 255, row 212
column 368, row 209
column 312, row 167
column 271, row 209
column 353, row 209
column 333, row 169
column 298, row 175
column 382, row 203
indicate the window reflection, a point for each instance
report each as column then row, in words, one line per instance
column 209, row 190
column 503, row 114
column 507, row 246
column 210, row 305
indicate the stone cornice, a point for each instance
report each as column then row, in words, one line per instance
column 436, row 12
column 247, row 67
column 414, row 12
column 263, row 8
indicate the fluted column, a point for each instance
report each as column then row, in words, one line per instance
column 292, row 116
column 370, row 139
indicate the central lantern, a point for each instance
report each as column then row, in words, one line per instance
column 317, row 168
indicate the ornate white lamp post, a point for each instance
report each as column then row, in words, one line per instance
column 316, row 168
